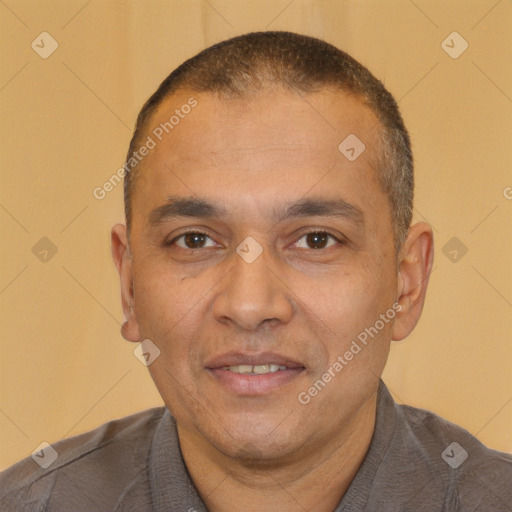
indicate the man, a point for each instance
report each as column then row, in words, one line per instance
column 266, row 264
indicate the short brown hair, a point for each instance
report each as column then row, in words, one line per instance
column 251, row 62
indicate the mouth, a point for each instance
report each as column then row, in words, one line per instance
column 255, row 369
column 253, row 375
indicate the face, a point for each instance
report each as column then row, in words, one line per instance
column 257, row 246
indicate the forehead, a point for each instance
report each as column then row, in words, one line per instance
column 262, row 145
column 275, row 119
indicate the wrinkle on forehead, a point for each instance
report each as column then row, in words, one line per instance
column 257, row 157
column 288, row 154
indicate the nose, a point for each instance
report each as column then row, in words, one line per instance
column 253, row 294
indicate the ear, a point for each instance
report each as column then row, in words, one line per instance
column 123, row 260
column 415, row 264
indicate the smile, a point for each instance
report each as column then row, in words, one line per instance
column 257, row 369
column 245, row 374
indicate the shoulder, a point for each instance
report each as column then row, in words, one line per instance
column 469, row 473
column 107, row 459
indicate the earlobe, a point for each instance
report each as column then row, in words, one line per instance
column 123, row 261
column 415, row 266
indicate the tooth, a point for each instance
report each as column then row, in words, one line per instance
column 260, row 369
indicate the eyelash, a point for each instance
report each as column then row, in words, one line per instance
column 192, row 232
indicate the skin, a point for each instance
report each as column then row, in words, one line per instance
column 245, row 439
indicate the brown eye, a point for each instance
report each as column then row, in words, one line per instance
column 316, row 240
column 191, row 240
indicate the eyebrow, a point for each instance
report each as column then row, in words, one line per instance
column 306, row 207
column 317, row 207
column 185, row 207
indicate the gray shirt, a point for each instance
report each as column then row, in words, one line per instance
column 416, row 462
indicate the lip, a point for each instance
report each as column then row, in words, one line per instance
column 237, row 358
column 253, row 385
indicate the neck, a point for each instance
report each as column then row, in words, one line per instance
column 314, row 480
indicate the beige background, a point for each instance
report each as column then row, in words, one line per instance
column 66, row 124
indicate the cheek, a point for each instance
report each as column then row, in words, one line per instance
column 348, row 300
column 168, row 313
column 164, row 304
column 349, row 309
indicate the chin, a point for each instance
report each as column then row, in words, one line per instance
column 258, row 453
column 263, row 446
